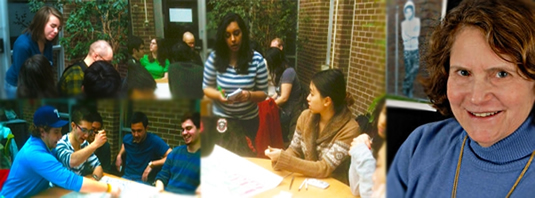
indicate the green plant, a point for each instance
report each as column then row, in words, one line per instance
column 89, row 21
column 266, row 19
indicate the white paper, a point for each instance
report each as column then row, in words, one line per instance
column 162, row 91
column 225, row 174
column 128, row 189
column 180, row 15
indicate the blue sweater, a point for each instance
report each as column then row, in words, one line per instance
column 23, row 49
column 425, row 164
column 182, row 171
column 138, row 155
column 34, row 167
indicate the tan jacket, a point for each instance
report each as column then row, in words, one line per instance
column 332, row 146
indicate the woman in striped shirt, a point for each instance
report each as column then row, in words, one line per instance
column 234, row 66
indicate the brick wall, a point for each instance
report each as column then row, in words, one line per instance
column 366, row 79
column 357, row 45
column 28, row 109
column 342, row 26
column 429, row 13
column 110, row 112
column 311, row 55
column 137, row 14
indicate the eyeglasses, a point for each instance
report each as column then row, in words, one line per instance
column 102, row 58
column 84, row 130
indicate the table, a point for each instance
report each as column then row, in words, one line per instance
column 58, row 191
column 336, row 188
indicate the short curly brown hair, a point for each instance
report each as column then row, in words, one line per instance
column 509, row 28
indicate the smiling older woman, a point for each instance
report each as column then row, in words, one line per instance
column 481, row 62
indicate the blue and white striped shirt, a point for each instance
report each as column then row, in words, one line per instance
column 63, row 152
column 255, row 80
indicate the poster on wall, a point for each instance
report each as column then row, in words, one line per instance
column 410, row 24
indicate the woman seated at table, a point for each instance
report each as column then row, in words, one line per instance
column 157, row 62
column 363, row 160
column 481, row 64
column 324, row 132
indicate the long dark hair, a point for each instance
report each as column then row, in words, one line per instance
column 331, row 83
column 222, row 52
column 36, row 79
column 162, row 53
column 40, row 19
column 276, row 64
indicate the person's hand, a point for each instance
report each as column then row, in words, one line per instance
column 244, row 96
column 115, row 191
column 146, row 173
column 222, row 98
column 100, row 138
column 118, row 163
column 273, row 153
column 159, row 186
column 362, row 139
column 379, row 190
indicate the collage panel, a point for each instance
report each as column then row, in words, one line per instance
column 77, row 148
column 318, row 101
column 49, row 48
column 464, row 126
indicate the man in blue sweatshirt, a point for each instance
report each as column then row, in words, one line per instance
column 35, row 168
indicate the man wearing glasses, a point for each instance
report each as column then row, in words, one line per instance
column 70, row 83
column 181, row 171
column 75, row 153
column 103, row 153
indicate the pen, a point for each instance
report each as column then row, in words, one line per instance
column 221, row 91
column 301, row 186
column 292, row 182
column 288, row 175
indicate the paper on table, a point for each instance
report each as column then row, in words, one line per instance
column 225, row 174
column 128, row 189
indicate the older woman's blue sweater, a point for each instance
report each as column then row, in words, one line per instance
column 425, row 164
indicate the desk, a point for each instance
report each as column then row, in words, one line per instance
column 59, row 192
column 336, row 188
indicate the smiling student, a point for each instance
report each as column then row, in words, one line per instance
column 35, row 167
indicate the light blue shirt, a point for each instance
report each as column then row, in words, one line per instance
column 34, row 167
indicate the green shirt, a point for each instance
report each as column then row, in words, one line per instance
column 154, row 68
